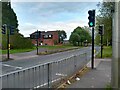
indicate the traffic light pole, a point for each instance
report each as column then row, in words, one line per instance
column 101, row 44
column 92, row 62
column 8, row 41
column 37, row 42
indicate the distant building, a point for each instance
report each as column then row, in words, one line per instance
column 45, row 38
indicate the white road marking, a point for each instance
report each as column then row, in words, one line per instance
column 60, row 74
column 47, row 83
column 12, row 66
column 92, row 86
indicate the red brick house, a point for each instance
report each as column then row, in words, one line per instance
column 45, row 38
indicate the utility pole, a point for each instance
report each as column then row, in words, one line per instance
column 115, row 69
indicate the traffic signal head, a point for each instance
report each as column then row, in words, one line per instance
column 11, row 30
column 3, row 29
column 100, row 30
column 91, row 18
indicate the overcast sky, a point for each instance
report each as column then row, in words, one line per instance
column 49, row 16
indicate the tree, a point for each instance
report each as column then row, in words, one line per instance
column 8, row 15
column 62, row 35
column 75, row 39
column 79, row 35
column 17, row 41
column 105, row 18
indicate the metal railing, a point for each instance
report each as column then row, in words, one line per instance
column 44, row 75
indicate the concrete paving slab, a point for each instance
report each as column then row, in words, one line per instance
column 95, row 78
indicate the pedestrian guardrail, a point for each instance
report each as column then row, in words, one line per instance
column 44, row 75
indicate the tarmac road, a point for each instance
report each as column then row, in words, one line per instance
column 14, row 65
column 40, row 76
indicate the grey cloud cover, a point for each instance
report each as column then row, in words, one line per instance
column 60, row 7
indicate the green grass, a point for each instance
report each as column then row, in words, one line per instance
column 107, row 52
column 108, row 87
column 17, row 51
column 46, row 47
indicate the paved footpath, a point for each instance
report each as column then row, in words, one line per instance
column 95, row 78
column 24, row 55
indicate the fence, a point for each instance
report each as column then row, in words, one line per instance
column 44, row 76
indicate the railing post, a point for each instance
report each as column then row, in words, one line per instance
column 14, row 80
column 39, row 76
column 86, row 55
column 7, row 82
column 75, row 63
column 24, row 78
column 48, row 75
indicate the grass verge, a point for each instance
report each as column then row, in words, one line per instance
column 17, row 51
column 108, row 87
column 56, row 47
column 107, row 52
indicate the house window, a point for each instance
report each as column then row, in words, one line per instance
column 50, row 36
column 47, row 36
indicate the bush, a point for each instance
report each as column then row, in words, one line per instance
column 17, row 41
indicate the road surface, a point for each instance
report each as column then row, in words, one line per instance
column 14, row 65
column 40, row 76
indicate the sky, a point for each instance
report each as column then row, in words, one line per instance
column 51, row 16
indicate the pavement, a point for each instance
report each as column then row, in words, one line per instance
column 24, row 55
column 99, row 77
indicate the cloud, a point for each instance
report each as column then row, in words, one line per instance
column 27, row 28
column 68, row 26
column 55, row 8
column 51, row 16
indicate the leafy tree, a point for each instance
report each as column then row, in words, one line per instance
column 62, row 35
column 105, row 18
column 75, row 39
column 18, row 41
column 80, row 35
column 9, row 17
